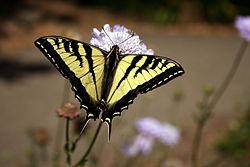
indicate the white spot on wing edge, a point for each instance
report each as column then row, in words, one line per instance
column 90, row 115
column 180, row 72
column 123, row 108
column 117, row 113
column 166, row 79
column 107, row 120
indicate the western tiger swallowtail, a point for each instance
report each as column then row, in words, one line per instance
column 104, row 82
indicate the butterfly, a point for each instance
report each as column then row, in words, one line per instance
column 106, row 82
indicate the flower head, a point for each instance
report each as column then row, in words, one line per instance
column 242, row 23
column 40, row 136
column 141, row 145
column 127, row 41
column 69, row 110
column 149, row 127
column 166, row 133
column 170, row 134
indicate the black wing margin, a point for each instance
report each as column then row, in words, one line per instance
column 75, row 61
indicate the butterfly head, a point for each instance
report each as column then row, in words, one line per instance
column 115, row 48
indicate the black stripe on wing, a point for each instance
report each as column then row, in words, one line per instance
column 80, row 92
column 88, row 51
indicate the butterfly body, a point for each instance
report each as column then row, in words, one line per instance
column 106, row 82
column 111, row 60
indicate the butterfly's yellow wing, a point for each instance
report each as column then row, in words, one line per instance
column 137, row 74
column 79, row 62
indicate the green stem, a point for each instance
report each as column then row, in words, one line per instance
column 83, row 160
column 196, row 144
column 229, row 77
column 198, row 131
column 67, row 144
column 210, row 106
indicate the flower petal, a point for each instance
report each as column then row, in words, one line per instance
column 127, row 41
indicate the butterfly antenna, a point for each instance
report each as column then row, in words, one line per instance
column 133, row 34
column 108, row 35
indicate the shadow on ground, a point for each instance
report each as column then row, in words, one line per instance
column 14, row 70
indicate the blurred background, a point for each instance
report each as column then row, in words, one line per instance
column 199, row 34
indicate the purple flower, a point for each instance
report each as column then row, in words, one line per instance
column 166, row 133
column 149, row 127
column 141, row 145
column 170, row 134
column 242, row 23
column 128, row 42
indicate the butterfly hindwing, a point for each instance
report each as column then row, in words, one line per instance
column 79, row 62
column 137, row 74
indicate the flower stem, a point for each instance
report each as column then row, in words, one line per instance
column 196, row 143
column 229, row 76
column 208, row 109
column 83, row 160
column 67, row 144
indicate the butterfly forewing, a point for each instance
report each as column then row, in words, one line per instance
column 138, row 74
column 79, row 62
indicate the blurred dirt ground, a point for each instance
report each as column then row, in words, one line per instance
column 31, row 90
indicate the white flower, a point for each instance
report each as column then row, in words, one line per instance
column 127, row 41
